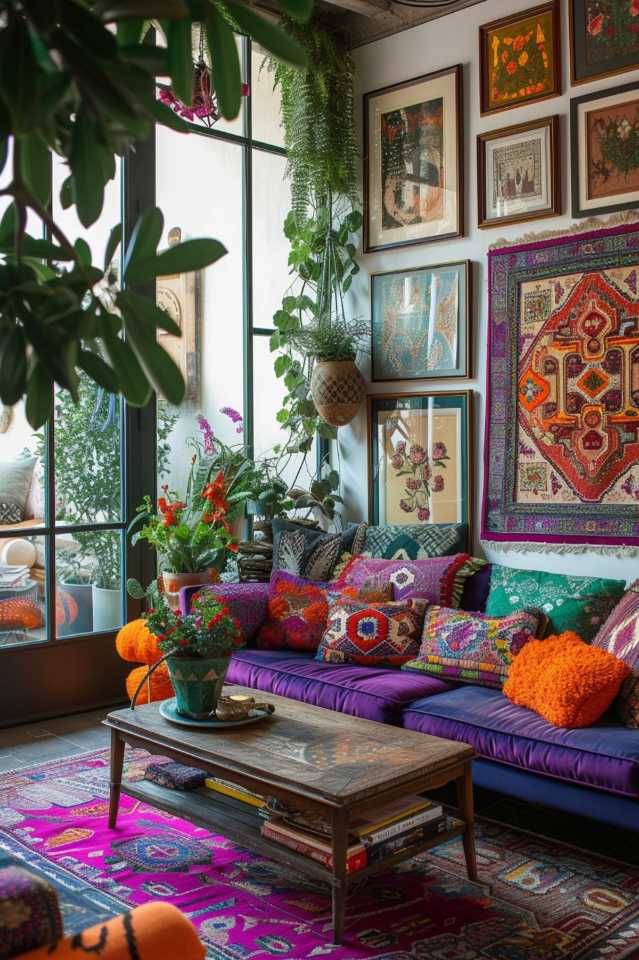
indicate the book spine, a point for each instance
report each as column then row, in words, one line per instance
column 410, row 839
column 236, row 792
column 402, row 826
column 355, row 860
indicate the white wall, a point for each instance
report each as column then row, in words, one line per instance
column 433, row 46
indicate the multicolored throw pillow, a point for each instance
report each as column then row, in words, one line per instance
column 568, row 682
column 311, row 553
column 380, row 633
column 473, row 647
column 581, row 604
column 298, row 610
column 438, row 579
column 415, row 541
column 620, row 636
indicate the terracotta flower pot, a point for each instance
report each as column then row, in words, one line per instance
column 173, row 582
column 337, row 388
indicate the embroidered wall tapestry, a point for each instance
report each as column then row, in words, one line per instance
column 562, row 417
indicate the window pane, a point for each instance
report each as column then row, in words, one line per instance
column 89, row 581
column 96, row 235
column 269, row 392
column 87, row 455
column 271, row 203
column 265, row 101
column 23, row 608
column 207, row 304
column 22, row 472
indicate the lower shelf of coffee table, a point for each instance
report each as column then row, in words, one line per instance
column 243, row 827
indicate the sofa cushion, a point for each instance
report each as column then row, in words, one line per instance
column 312, row 553
column 374, row 634
column 605, row 756
column 620, row 635
column 375, row 693
column 415, row 541
column 436, row 579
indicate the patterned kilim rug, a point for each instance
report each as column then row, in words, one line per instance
column 538, row 900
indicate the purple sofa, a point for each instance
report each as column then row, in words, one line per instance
column 592, row 771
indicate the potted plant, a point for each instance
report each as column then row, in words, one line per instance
column 197, row 647
column 75, row 580
column 106, row 580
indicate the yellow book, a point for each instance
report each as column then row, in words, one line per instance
column 238, row 793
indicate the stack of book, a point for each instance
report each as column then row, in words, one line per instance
column 382, row 833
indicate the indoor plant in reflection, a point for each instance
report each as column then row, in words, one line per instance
column 197, row 647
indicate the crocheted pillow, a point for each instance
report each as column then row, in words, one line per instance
column 20, row 614
column 458, row 645
column 298, row 610
column 566, row 681
column 436, row 579
column 371, row 633
column 581, row 604
column 620, row 635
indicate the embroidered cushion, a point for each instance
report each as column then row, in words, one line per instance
column 311, row 553
column 438, row 579
column 620, row 635
column 569, row 682
column 581, row 604
column 380, row 633
column 298, row 610
column 457, row 645
column 415, row 541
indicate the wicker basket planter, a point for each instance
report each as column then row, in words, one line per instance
column 337, row 388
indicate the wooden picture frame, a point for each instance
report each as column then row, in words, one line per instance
column 533, row 196
column 413, row 185
column 180, row 296
column 535, row 60
column 412, row 337
column 448, row 416
column 584, row 42
column 610, row 125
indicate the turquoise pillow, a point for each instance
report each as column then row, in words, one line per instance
column 581, row 604
column 415, row 541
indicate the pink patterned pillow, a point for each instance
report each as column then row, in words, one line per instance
column 435, row 579
column 620, row 635
column 371, row 633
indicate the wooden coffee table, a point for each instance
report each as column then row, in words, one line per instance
column 314, row 759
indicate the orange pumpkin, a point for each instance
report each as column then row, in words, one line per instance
column 66, row 608
column 136, row 643
column 159, row 681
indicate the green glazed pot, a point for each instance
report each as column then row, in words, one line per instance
column 197, row 682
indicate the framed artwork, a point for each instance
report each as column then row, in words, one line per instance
column 519, row 173
column 413, row 190
column 420, row 455
column 520, row 58
column 604, row 151
column 562, row 410
column 179, row 295
column 604, row 38
column 420, row 322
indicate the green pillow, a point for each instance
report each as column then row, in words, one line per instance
column 15, row 480
column 580, row 604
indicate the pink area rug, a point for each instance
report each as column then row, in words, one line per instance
column 537, row 900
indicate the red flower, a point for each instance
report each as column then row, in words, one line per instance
column 512, row 66
column 169, row 520
column 634, row 8
column 233, row 547
column 595, row 26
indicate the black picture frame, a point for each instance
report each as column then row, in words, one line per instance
column 580, row 72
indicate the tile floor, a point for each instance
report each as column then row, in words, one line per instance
column 31, row 744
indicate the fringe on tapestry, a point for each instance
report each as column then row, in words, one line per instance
column 609, row 550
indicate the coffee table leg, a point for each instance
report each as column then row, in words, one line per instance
column 466, row 806
column 117, row 761
column 340, row 845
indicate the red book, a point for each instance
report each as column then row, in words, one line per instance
column 356, row 858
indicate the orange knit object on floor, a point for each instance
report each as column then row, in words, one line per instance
column 16, row 614
column 565, row 680
column 155, row 931
column 136, row 643
column 161, row 687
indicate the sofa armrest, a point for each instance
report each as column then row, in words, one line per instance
column 29, row 912
column 246, row 601
column 155, row 931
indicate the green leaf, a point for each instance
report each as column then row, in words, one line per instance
column 84, row 251
column 161, row 369
column 39, row 404
column 66, row 193
column 227, row 78
column 152, row 315
column 87, row 30
column 132, row 380
column 326, row 431
column 180, row 57
column 88, row 189
column 8, row 225
column 115, row 238
column 110, row 10
column 333, row 480
column 4, row 152
column 145, row 237
column 180, row 258
column 281, row 365
column 129, row 31
column 35, row 167
column 297, row 9
column 273, row 38
column 98, row 370
column 19, row 74
column 282, row 416
column 13, row 365
column 274, row 342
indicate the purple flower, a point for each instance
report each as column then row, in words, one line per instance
column 406, row 506
column 438, row 484
column 208, row 436
column 417, row 453
column 234, row 417
column 423, row 513
column 413, row 484
column 439, row 451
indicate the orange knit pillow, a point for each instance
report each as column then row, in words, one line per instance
column 136, row 643
column 566, row 681
column 160, row 683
